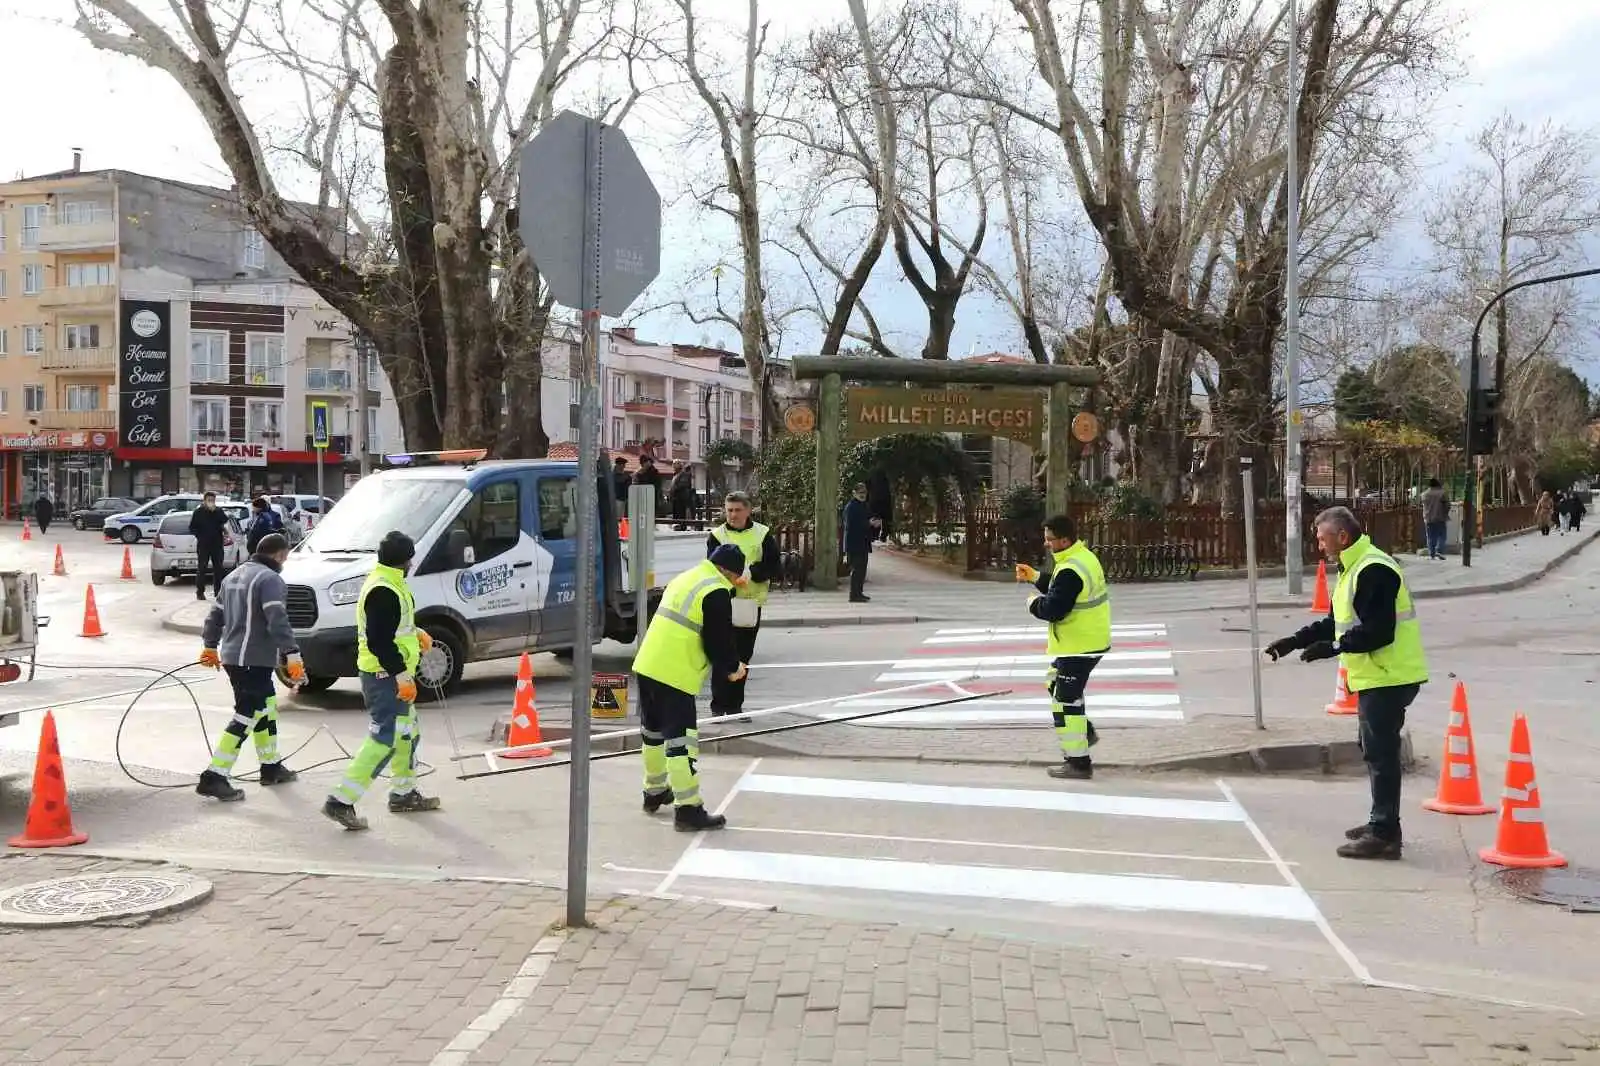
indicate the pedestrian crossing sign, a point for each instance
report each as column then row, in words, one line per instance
column 319, row 425
column 608, row 696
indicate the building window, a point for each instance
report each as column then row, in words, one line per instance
column 32, row 219
column 255, row 250
column 80, row 275
column 2, row 231
column 32, row 279
column 32, row 340
column 76, row 337
column 83, row 397
column 2, row 272
column 374, row 372
column 616, row 432
column 3, row 349
column 208, row 419
column 33, row 397
column 5, row 401
column 208, row 358
column 374, row 446
column 264, row 422
column 79, row 212
column 263, row 360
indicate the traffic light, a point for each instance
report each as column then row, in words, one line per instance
column 1484, row 423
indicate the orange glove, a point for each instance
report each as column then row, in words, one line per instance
column 1027, row 573
column 424, row 640
column 296, row 668
column 406, row 688
column 210, row 659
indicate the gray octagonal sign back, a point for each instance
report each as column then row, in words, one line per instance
column 552, row 194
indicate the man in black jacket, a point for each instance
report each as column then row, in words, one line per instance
column 859, row 529
column 209, row 527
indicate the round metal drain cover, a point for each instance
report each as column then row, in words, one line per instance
column 82, row 900
column 1577, row 890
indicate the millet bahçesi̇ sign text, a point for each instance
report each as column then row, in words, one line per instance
column 1016, row 414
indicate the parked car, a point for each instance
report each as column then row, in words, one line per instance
column 173, row 553
column 94, row 516
column 130, row 526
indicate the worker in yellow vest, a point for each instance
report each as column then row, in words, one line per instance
column 1074, row 601
column 1373, row 630
column 760, row 550
column 691, row 637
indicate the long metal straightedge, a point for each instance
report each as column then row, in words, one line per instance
column 547, row 763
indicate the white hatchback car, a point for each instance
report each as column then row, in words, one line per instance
column 172, row 549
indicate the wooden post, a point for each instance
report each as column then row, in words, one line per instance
column 826, row 516
column 1058, row 429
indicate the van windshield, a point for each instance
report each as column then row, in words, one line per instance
column 378, row 504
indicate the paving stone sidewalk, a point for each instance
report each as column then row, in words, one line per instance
column 311, row 971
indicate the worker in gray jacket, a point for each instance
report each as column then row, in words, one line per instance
column 246, row 632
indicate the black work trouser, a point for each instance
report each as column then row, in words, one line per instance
column 858, row 572
column 209, row 560
column 727, row 697
column 1382, row 717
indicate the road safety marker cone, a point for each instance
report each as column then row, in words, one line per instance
column 1320, row 603
column 61, row 563
column 622, row 529
column 27, row 530
column 1520, row 840
column 91, row 615
column 127, row 564
column 1344, row 701
column 524, row 732
column 49, row 823
column 1458, row 776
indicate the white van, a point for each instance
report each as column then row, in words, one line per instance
column 495, row 570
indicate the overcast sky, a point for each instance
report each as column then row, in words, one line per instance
column 1532, row 57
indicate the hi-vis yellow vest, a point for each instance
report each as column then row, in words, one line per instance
column 748, row 541
column 1087, row 627
column 672, row 652
column 1401, row 663
column 405, row 636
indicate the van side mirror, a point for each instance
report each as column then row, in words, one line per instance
column 459, row 547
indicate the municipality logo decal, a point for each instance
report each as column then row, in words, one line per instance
column 467, row 584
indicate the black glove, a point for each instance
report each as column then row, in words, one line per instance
column 1279, row 648
column 1322, row 649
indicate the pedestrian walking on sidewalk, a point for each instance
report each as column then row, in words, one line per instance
column 1544, row 512
column 245, row 633
column 1373, row 630
column 691, row 636
column 44, row 511
column 1075, row 602
column 760, row 549
column 1575, row 510
column 1435, row 517
column 389, row 647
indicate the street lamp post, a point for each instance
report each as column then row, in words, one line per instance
column 1294, row 563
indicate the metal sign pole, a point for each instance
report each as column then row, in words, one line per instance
column 1247, row 474
column 641, row 552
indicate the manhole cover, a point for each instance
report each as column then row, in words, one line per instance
column 1576, row 890
column 81, row 900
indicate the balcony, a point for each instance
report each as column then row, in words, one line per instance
column 680, row 414
column 78, row 419
column 79, row 360
column 646, row 405
column 80, row 296
column 323, row 379
column 97, row 229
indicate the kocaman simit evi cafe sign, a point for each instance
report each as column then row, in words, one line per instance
column 144, row 374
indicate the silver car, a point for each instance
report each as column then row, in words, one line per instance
column 173, row 553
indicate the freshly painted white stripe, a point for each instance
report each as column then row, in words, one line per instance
column 1035, row 673
column 1116, row 627
column 1022, row 799
column 1105, row 700
column 1054, row 849
column 1009, row 716
column 923, row 661
column 1110, row 891
column 1224, row 963
column 677, row 867
column 1032, row 635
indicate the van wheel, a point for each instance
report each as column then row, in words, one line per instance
column 441, row 668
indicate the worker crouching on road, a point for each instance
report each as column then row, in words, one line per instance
column 761, row 555
column 389, row 646
column 690, row 636
column 1074, row 600
column 245, row 633
column 1373, row 630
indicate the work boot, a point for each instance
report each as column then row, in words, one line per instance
column 693, row 819
column 1073, row 770
column 654, row 801
column 1368, row 846
column 860, row 599
column 217, row 787
column 412, row 802
column 1094, row 738
column 275, row 773
column 343, row 813
column 1358, row 831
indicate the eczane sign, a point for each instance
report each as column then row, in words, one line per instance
column 229, row 453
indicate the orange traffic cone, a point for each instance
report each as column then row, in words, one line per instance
column 1344, row 701
column 127, row 564
column 1320, row 603
column 524, row 732
column 27, row 530
column 622, row 529
column 91, row 615
column 1520, row 841
column 61, row 563
column 1458, row 776
column 49, row 823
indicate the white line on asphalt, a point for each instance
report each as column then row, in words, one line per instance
column 1357, row 968
column 1036, row 673
column 1006, row 716
column 1224, row 963
column 614, row 868
column 677, row 867
column 512, row 999
column 991, row 660
column 1009, row 798
column 1098, row 704
column 1116, row 627
column 1109, row 891
column 1053, row 848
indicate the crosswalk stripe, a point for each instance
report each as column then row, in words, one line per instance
column 1116, row 627
column 1096, row 702
column 1008, row 660
column 1008, row 715
column 1030, row 799
column 1035, row 673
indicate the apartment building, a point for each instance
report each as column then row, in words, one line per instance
column 104, row 276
